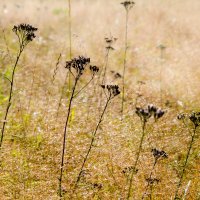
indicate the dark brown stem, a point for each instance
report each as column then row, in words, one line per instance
column 65, row 136
column 91, row 144
column 137, row 159
column 185, row 164
column 149, row 178
column 10, row 97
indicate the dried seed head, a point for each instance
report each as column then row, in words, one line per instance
column 128, row 4
column 151, row 181
column 25, row 33
column 116, row 74
column 94, row 70
column 158, row 114
column 98, row 186
column 181, row 116
column 112, row 90
column 109, row 42
column 152, row 109
column 78, row 64
column 159, row 154
column 195, row 118
column 144, row 114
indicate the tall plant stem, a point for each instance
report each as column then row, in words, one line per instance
column 69, row 56
column 91, row 144
column 70, row 39
column 10, row 96
column 105, row 67
column 137, row 159
column 125, row 61
column 65, row 136
column 149, row 178
column 185, row 164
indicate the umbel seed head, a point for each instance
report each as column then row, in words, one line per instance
column 112, row 90
column 78, row 64
column 128, row 4
column 159, row 154
column 94, row 69
column 151, row 110
column 25, row 33
column 195, row 118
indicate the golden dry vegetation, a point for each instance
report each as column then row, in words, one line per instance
column 31, row 151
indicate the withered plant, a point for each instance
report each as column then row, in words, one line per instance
column 25, row 34
column 157, row 154
column 128, row 6
column 110, row 91
column 194, row 117
column 76, row 68
column 144, row 115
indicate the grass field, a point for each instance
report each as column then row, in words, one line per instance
column 162, row 63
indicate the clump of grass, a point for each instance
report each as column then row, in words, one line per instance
column 157, row 154
column 127, row 5
column 76, row 68
column 194, row 117
column 25, row 34
column 144, row 115
column 110, row 91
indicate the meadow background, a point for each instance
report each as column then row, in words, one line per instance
column 30, row 156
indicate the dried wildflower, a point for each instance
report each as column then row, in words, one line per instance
column 195, row 118
column 151, row 181
column 110, row 41
column 78, row 64
column 25, row 34
column 116, row 74
column 158, row 114
column 94, row 70
column 128, row 4
column 144, row 114
column 152, row 109
column 97, row 186
column 111, row 90
column 159, row 154
column 181, row 116
column 127, row 170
